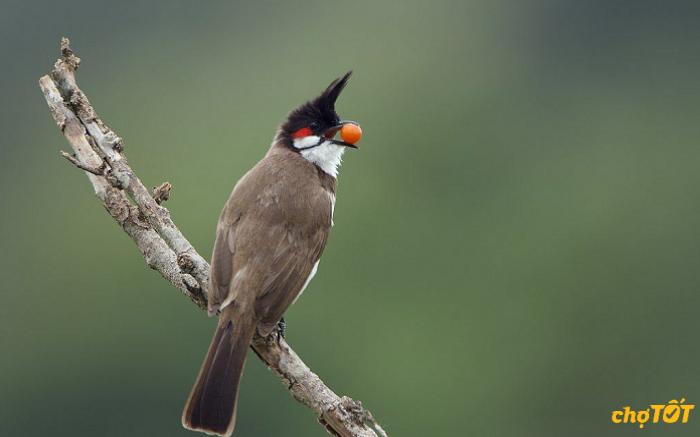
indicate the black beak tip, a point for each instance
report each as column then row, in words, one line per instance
column 343, row 143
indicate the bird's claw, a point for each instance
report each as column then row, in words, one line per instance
column 281, row 328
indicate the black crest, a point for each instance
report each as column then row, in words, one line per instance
column 318, row 114
column 326, row 101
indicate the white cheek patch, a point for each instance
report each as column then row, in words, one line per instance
column 310, row 141
column 327, row 156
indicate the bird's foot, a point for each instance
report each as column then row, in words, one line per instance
column 281, row 328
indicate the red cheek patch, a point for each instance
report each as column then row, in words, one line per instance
column 301, row 133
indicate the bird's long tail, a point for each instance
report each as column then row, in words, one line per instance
column 211, row 406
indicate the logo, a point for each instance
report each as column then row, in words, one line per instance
column 673, row 412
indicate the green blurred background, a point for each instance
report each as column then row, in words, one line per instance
column 516, row 247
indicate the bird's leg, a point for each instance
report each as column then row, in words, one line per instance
column 281, row 327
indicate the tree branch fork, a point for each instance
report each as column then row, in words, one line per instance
column 99, row 151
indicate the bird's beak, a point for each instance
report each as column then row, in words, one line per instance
column 331, row 132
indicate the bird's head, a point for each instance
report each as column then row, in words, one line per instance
column 311, row 129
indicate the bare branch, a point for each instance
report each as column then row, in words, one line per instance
column 99, row 151
column 161, row 193
column 99, row 171
column 109, row 145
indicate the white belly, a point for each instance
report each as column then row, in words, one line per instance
column 332, row 207
column 311, row 276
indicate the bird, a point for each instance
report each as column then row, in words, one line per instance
column 269, row 240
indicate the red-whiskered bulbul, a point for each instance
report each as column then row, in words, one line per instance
column 269, row 239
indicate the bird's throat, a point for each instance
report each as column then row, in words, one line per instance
column 327, row 156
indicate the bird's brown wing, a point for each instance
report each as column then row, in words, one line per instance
column 288, row 272
column 222, row 263
column 269, row 239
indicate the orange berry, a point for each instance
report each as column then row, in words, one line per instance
column 351, row 133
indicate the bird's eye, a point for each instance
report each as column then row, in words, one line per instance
column 314, row 125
